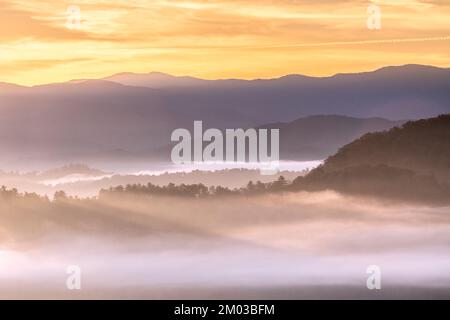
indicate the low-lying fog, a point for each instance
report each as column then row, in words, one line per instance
column 84, row 181
column 302, row 245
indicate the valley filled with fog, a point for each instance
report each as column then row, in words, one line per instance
column 284, row 245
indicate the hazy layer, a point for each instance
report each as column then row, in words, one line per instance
column 83, row 181
column 155, row 248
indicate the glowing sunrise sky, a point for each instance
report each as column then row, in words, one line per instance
column 216, row 38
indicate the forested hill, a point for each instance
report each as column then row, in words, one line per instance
column 411, row 162
column 422, row 146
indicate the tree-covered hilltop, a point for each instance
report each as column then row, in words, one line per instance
column 422, row 146
column 411, row 162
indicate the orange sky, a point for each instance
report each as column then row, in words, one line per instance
column 216, row 38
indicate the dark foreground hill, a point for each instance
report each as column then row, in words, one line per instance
column 410, row 162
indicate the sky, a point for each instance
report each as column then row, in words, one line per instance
column 46, row 41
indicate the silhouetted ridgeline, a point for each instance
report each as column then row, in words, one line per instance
column 422, row 146
column 411, row 162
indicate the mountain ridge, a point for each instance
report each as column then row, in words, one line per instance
column 94, row 116
column 416, row 67
column 319, row 136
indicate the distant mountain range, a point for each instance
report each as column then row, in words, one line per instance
column 130, row 116
column 158, row 80
column 397, row 93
